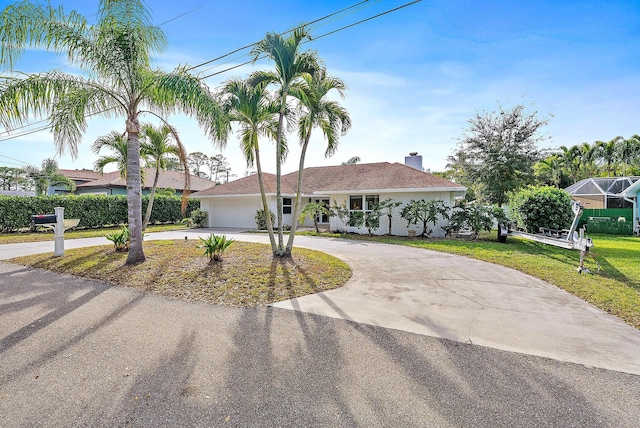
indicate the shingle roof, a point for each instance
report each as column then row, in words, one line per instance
column 339, row 178
column 80, row 174
column 167, row 179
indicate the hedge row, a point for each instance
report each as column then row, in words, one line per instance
column 92, row 210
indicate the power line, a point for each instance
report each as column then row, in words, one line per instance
column 324, row 35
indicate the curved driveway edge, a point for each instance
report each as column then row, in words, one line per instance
column 450, row 297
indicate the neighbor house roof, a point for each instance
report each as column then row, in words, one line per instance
column 338, row 179
column 167, row 179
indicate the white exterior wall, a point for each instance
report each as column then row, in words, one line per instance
column 398, row 225
column 234, row 211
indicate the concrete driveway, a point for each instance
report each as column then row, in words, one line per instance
column 375, row 352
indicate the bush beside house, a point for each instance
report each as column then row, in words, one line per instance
column 92, row 210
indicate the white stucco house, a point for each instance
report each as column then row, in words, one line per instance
column 359, row 186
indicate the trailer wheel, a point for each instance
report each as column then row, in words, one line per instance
column 503, row 232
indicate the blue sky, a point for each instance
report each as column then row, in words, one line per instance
column 415, row 76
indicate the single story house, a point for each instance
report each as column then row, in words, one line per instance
column 358, row 186
column 110, row 183
column 601, row 192
column 632, row 195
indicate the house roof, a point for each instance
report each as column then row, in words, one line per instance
column 167, row 179
column 81, row 174
column 633, row 190
column 338, row 179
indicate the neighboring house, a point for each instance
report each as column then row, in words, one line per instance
column 632, row 195
column 602, row 192
column 358, row 186
column 110, row 183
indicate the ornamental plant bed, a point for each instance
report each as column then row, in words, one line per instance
column 247, row 276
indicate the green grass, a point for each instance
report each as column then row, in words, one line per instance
column 47, row 235
column 247, row 276
column 615, row 289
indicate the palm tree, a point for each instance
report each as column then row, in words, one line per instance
column 550, row 169
column 587, row 153
column 628, row 150
column 252, row 109
column 117, row 143
column 290, row 66
column 48, row 175
column 318, row 111
column 570, row 160
column 116, row 53
column 608, row 153
column 155, row 148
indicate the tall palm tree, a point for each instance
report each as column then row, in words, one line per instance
column 115, row 52
column 156, row 147
column 48, row 175
column 550, row 169
column 290, row 65
column 587, row 153
column 117, row 144
column 253, row 110
column 318, row 111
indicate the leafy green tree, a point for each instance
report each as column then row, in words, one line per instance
column 317, row 111
column 116, row 53
column 342, row 212
column 47, row 176
column 388, row 207
column 290, row 65
column 570, row 160
column 12, row 178
column 314, row 210
column 498, row 151
column 255, row 113
column 155, row 148
column 372, row 219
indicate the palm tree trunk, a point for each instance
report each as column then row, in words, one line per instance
column 280, row 250
column 265, row 205
column 151, row 196
column 134, row 193
column 296, row 205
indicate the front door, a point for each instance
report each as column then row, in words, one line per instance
column 323, row 218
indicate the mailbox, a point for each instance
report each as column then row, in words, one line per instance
column 44, row 219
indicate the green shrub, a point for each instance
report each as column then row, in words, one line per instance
column 120, row 239
column 214, row 246
column 261, row 219
column 93, row 210
column 540, row 206
column 198, row 218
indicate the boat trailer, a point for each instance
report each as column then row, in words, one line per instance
column 571, row 238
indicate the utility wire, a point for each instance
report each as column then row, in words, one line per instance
column 323, row 35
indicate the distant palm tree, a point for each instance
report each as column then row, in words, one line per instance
column 609, row 154
column 317, row 111
column 352, row 161
column 551, row 168
column 47, row 176
column 116, row 53
column 629, row 150
column 570, row 160
column 117, row 144
column 290, row 66
column 155, row 148
column 253, row 110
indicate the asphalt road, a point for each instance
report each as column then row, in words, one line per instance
column 81, row 353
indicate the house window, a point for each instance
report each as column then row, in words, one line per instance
column 371, row 201
column 286, row 205
column 356, row 202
